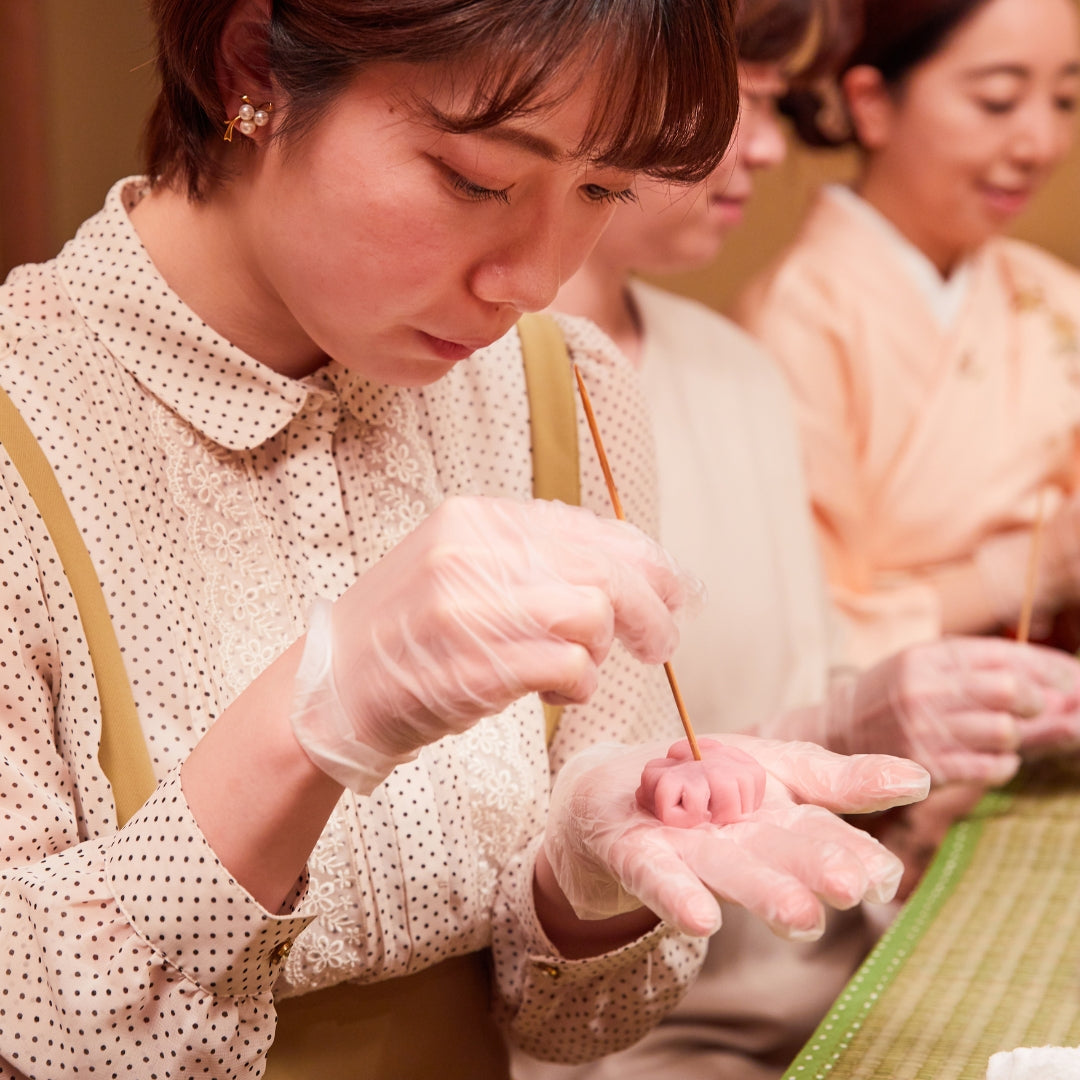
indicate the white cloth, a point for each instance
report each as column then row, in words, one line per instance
column 1035, row 1063
column 944, row 296
column 734, row 510
column 218, row 499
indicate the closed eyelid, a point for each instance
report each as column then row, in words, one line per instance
column 478, row 192
column 459, row 164
column 604, row 194
column 478, row 189
column 614, row 179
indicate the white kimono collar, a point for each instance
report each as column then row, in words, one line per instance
column 945, row 297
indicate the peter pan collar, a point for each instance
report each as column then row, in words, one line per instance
column 224, row 393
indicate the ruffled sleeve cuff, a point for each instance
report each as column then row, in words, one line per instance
column 568, row 1010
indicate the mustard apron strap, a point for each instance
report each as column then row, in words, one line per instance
column 122, row 754
column 549, row 380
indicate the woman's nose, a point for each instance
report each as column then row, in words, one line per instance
column 764, row 146
column 1043, row 136
column 524, row 271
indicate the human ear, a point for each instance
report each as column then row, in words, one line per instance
column 870, row 105
column 242, row 67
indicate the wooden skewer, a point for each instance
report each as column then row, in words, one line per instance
column 616, row 504
column 1023, row 630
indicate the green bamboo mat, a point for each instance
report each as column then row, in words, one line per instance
column 985, row 956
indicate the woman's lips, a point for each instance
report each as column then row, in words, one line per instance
column 1005, row 201
column 451, row 350
column 726, row 209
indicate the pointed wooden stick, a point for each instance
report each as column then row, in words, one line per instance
column 616, row 505
column 1023, row 630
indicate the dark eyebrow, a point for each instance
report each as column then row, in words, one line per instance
column 1019, row 71
column 503, row 133
column 526, row 140
column 499, row 132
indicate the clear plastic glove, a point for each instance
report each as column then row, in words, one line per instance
column 487, row 600
column 725, row 785
column 783, row 862
column 965, row 708
column 1002, row 562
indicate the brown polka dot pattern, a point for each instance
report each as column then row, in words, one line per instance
column 217, row 499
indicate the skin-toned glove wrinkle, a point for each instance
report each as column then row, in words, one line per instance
column 485, row 601
column 967, row 709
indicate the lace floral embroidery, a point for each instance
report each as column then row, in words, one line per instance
column 504, row 760
column 400, row 474
column 334, row 946
column 249, row 615
column 243, row 601
column 502, row 793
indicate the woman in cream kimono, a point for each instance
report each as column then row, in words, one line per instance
column 935, row 364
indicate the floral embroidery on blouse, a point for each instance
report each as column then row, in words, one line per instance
column 242, row 597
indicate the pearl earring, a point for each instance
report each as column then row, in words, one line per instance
column 248, row 118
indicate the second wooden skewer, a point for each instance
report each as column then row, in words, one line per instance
column 1023, row 630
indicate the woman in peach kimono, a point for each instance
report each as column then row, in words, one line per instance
column 935, row 364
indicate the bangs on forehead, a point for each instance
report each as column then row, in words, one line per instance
column 666, row 102
column 663, row 104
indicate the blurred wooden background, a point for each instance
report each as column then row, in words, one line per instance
column 76, row 84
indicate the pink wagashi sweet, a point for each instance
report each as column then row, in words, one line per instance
column 724, row 786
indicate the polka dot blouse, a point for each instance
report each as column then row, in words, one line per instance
column 218, row 499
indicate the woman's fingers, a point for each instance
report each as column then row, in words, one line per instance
column 626, row 545
column 655, row 871
column 813, row 823
column 1054, row 731
column 784, row 861
column 750, row 875
column 843, row 783
column 988, row 732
